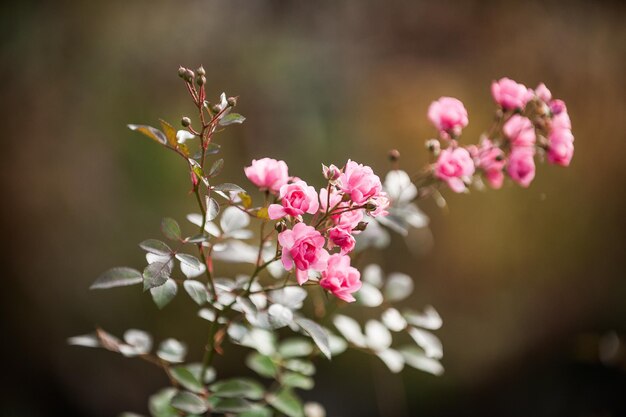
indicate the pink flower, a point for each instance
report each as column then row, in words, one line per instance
column 348, row 217
column 510, row 94
column 382, row 203
column 342, row 237
column 296, row 199
column 303, row 246
column 267, row 174
column 448, row 115
column 453, row 166
column 520, row 131
column 557, row 106
column 359, row 182
column 335, row 198
column 561, row 147
column 491, row 160
column 521, row 166
column 331, row 173
column 543, row 93
column 561, row 121
column 340, row 278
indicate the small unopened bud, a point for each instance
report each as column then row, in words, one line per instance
column 360, row 227
column 216, row 108
column 200, row 71
column 433, row 146
column 371, row 206
column 181, row 72
column 232, row 101
column 331, row 173
column 189, row 75
column 200, row 80
column 280, row 226
column 394, row 155
column 499, row 158
column 185, row 121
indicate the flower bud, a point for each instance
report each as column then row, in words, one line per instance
column 232, row 101
column 181, row 72
column 433, row 146
column 394, row 155
column 200, row 80
column 280, row 226
column 360, row 226
column 200, row 71
column 216, row 108
column 189, row 75
column 331, row 173
column 185, row 121
column 370, row 206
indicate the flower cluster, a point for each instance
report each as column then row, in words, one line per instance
column 530, row 124
column 337, row 212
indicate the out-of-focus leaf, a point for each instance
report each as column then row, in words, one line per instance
column 155, row 275
column 399, row 187
column 171, row 350
column 279, row 315
column 196, row 368
column 429, row 319
column 296, row 380
column 350, row 329
column 170, row 133
column 189, row 403
column 398, row 287
column 295, row 347
column 159, row 403
column 301, row 366
column 369, row 295
column 190, row 260
column 338, row 345
column 429, row 342
column 192, row 272
column 228, row 188
column 393, row 320
column 163, row 294
column 216, row 168
column 212, row 209
column 313, row 409
column 117, row 277
column 155, row 246
column 238, row 387
column 229, row 405
column 287, row 403
column 86, row 340
column 138, row 339
column 213, row 148
column 415, row 358
column 197, row 291
column 291, row 297
column 170, row 228
column 233, row 219
column 317, row 333
column 373, row 274
column 257, row 411
column 186, row 379
column 393, row 359
column 246, row 200
column 231, row 118
column 151, row 132
column 130, row 414
column 207, row 314
column 262, row 365
column 377, row 335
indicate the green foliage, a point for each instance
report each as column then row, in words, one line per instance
column 117, row 277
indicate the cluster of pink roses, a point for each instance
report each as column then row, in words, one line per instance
column 531, row 122
column 337, row 214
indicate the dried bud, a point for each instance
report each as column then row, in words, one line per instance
column 433, row 146
column 185, row 121
column 394, row 155
column 280, row 226
column 189, row 75
column 200, row 71
column 360, row 227
column 331, row 173
column 232, row 101
column 200, row 80
column 181, row 72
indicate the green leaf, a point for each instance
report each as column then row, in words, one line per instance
column 196, row 290
column 317, row 333
column 163, row 294
column 151, row 132
column 301, row 366
column 198, row 238
column 262, row 365
column 257, row 411
column 189, row 403
column 296, row 380
column 228, row 187
column 287, row 403
column 170, row 228
column 196, row 368
column 229, row 405
column 216, row 168
column 155, row 246
column 187, row 379
column 238, row 387
column 171, row 350
column 190, row 260
column 159, row 403
column 155, row 275
column 212, row 209
column 117, row 277
column 295, row 347
column 231, row 118
column 170, row 133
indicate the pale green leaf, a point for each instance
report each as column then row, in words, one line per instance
column 317, row 333
column 155, row 275
column 189, row 403
column 163, row 294
column 155, row 246
column 238, row 387
column 117, row 277
column 231, row 118
column 296, row 380
column 287, row 403
column 196, row 290
column 187, row 379
column 262, row 365
column 216, row 168
column 170, row 228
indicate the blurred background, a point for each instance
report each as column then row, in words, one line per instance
column 530, row 283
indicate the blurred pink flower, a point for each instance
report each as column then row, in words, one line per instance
column 303, row 246
column 341, row 237
column 561, row 147
column 296, row 199
column 543, row 93
column 340, row 278
column 453, row 167
column 360, row 182
column 521, row 165
column 267, row 174
column 491, row 160
column 335, row 198
column 520, row 131
column 348, row 217
column 448, row 115
column 510, row 94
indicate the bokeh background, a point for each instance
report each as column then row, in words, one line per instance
column 530, row 283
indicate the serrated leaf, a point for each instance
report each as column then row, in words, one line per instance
column 317, row 333
column 170, row 133
column 159, row 403
column 295, row 347
column 231, row 118
column 262, row 365
column 117, row 277
column 155, row 246
column 216, row 168
column 187, row 379
column 287, row 403
column 155, row 275
column 189, row 403
column 229, row 405
column 212, row 209
column 171, row 350
column 163, row 294
column 151, row 132
column 238, row 387
column 296, row 380
column 196, row 290
column 170, row 228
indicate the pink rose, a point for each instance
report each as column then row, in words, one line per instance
column 491, row 160
column 453, row 167
column 359, row 182
column 267, row 174
column 341, row 237
column 560, row 147
column 521, row 166
column 520, row 131
column 382, row 203
column 303, row 246
column 510, row 94
column 347, row 217
column 340, row 278
column 331, row 173
column 448, row 115
column 543, row 93
column 557, row 106
column 335, row 198
column 561, row 121
column 296, row 199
